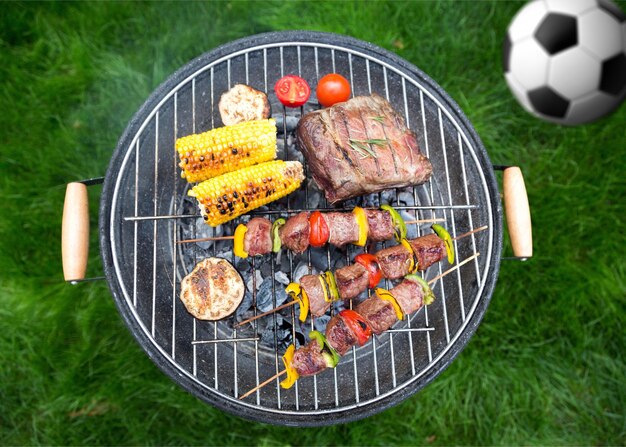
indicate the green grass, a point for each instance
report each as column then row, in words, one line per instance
column 546, row 365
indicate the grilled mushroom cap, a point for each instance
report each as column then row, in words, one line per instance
column 213, row 290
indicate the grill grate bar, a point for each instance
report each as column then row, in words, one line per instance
column 471, row 226
column 408, row 320
column 135, row 224
column 256, row 330
column 453, row 222
column 225, row 340
column 469, row 214
column 410, row 329
column 175, row 232
column 444, row 306
column 427, row 148
column 155, row 223
column 274, row 304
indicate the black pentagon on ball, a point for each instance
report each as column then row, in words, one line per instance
column 557, row 32
column 613, row 78
column 546, row 101
column 612, row 9
column 506, row 53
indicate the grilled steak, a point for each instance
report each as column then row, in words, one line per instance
column 359, row 147
column 308, row 360
column 295, row 233
column 379, row 314
column 351, row 280
column 428, row 250
column 394, row 261
column 380, row 225
column 343, row 228
column 409, row 296
column 258, row 237
column 339, row 335
column 313, row 288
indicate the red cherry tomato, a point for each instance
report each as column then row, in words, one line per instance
column 319, row 232
column 357, row 324
column 331, row 89
column 370, row 263
column 292, row 91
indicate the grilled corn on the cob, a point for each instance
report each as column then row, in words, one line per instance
column 225, row 149
column 229, row 195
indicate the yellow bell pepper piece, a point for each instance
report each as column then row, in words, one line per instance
column 238, row 249
column 413, row 264
column 447, row 239
column 292, row 374
column 324, row 288
column 361, row 220
column 385, row 295
column 298, row 294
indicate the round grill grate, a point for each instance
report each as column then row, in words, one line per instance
column 145, row 212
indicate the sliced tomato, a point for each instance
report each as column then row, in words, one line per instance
column 331, row 89
column 292, row 91
column 370, row 263
column 357, row 325
column 319, row 232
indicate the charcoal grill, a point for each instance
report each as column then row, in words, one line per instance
column 145, row 213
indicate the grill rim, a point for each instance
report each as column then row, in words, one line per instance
column 155, row 352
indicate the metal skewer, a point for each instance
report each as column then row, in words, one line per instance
column 224, row 238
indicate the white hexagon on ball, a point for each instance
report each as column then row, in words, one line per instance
column 565, row 60
column 574, row 73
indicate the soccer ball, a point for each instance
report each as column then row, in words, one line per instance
column 565, row 60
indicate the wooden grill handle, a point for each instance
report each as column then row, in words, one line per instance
column 517, row 212
column 75, row 232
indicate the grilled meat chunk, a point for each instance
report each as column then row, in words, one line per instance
column 313, row 288
column 295, row 233
column 409, row 295
column 380, row 225
column 343, row 228
column 351, row 280
column 308, row 360
column 379, row 314
column 258, row 237
column 359, row 147
column 394, row 261
column 339, row 335
column 428, row 250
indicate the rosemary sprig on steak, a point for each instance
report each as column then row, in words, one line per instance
column 363, row 146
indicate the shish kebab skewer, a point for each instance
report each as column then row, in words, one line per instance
column 374, row 315
column 315, row 293
column 260, row 236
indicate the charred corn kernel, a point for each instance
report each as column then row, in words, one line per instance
column 225, row 149
column 230, row 195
